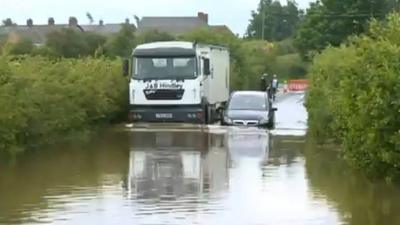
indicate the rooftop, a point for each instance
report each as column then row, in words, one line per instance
column 167, row 44
column 173, row 25
column 38, row 32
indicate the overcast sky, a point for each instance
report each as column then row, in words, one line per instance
column 234, row 13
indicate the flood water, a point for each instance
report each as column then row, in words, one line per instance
column 211, row 176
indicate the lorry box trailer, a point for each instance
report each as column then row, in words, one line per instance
column 178, row 82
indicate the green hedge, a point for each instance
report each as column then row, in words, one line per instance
column 40, row 97
column 354, row 97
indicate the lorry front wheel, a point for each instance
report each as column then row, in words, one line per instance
column 209, row 115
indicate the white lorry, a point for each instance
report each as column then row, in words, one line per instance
column 178, row 82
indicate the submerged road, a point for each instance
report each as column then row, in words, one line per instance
column 193, row 175
column 291, row 117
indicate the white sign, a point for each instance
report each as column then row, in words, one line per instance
column 164, row 85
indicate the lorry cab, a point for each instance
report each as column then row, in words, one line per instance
column 178, row 82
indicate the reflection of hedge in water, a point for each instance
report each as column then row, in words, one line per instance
column 354, row 97
column 41, row 98
column 358, row 200
column 65, row 171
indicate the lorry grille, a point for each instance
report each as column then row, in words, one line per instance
column 164, row 94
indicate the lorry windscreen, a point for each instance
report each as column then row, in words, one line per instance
column 166, row 68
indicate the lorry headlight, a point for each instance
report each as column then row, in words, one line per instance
column 263, row 121
column 192, row 115
column 227, row 120
column 136, row 116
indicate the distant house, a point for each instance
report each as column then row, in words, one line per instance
column 221, row 28
column 177, row 26
column 105, row 29
column 38, row 33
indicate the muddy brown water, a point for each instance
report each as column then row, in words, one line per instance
column 222, row 176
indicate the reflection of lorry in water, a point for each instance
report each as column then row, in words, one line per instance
column 174, row 164
column 178, row 82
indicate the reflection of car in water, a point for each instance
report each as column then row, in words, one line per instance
column 248, row 143
column 173, row 164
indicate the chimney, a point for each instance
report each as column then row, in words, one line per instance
column 101, row 22
column 73, row 21
column 203, row 16
column 51, row 21
column 29, row 23
column 126, row 21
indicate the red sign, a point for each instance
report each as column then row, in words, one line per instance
column 297, row 85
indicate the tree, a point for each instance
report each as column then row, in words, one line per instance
column 90, row 17
column 22, row 47
column 155, row 35
column 330, row 22
column 51, row 21
column 273, row 21
column 363, row 114
column 66, row 42
column 71, row 43
column 393, row 6
column 3, row 40
column 8, row 22
column 122, row 43
column 93, row 42
column 44, row 51
column 137, row 19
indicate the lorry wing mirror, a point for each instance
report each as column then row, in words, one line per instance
column 125, row 67
column 207, row 69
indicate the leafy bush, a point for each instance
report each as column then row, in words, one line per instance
column 354, row 97
column 22, row 47
column 41, row 98
column 122, row 43
column 290, row 66
column 153, row 36
column 70, row 43
column 286, row 47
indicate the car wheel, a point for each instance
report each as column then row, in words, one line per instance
column 271, row 123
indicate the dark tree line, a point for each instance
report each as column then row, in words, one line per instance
column 8, row 22
column 331, row 22
column 273, row 21
column 326, row 22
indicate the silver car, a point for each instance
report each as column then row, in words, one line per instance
column 249, row 108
